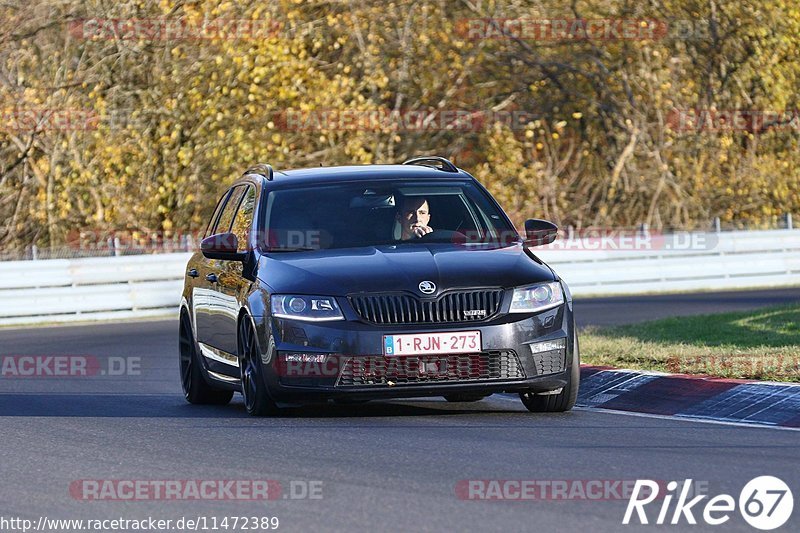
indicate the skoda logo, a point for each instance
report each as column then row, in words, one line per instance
column 427, row 287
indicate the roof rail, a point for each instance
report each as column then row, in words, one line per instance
column 261, row 169
column 446, row 165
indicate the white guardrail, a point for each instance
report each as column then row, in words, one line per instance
column 65, row 290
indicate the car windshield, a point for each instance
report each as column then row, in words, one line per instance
column 348, row 215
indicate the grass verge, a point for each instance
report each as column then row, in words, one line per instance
column 762, row 344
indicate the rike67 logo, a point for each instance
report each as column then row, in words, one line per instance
column 765, row 503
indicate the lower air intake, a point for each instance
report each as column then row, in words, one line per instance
column 419, row 369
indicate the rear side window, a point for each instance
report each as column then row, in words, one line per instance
column 229, row 211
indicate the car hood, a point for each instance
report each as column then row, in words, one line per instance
column 399, row 268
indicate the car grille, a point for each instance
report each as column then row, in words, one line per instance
column 456, row 306
column 423, row 369
column 549, row 362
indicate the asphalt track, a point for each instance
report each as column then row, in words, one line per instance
column 609, row 311
column 383, row 466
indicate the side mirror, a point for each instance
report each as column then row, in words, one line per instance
column 539, row 232
column 223, row 246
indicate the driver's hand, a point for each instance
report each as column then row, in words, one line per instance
column 419, row 231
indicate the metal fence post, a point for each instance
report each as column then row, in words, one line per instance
column 789, row 221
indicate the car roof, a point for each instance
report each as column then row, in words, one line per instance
column 364, row 172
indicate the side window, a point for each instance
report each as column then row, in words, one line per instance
column 244, row 218
column 210, row 227
column 228, row 212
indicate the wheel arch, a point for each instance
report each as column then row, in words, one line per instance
column 186, row 308
column 245, row 316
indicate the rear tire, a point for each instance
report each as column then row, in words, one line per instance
column 563, row 401
column 254, row 390
column 196, row 389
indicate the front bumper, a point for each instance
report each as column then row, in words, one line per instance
column 317, row 361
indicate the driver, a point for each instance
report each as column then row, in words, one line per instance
column 414, row 216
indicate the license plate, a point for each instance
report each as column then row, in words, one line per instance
column 432, row 343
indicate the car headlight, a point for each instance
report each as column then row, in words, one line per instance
column 302, row 307
column 537, row 298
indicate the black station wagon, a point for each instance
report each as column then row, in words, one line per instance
column 359, row 283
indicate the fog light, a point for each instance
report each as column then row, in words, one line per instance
column 547, row 346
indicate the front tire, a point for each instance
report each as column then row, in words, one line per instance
column 563, row 401
column 195, row 388
column 254, row 390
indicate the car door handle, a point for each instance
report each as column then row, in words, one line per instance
column 212, row 278
column 193, row 273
